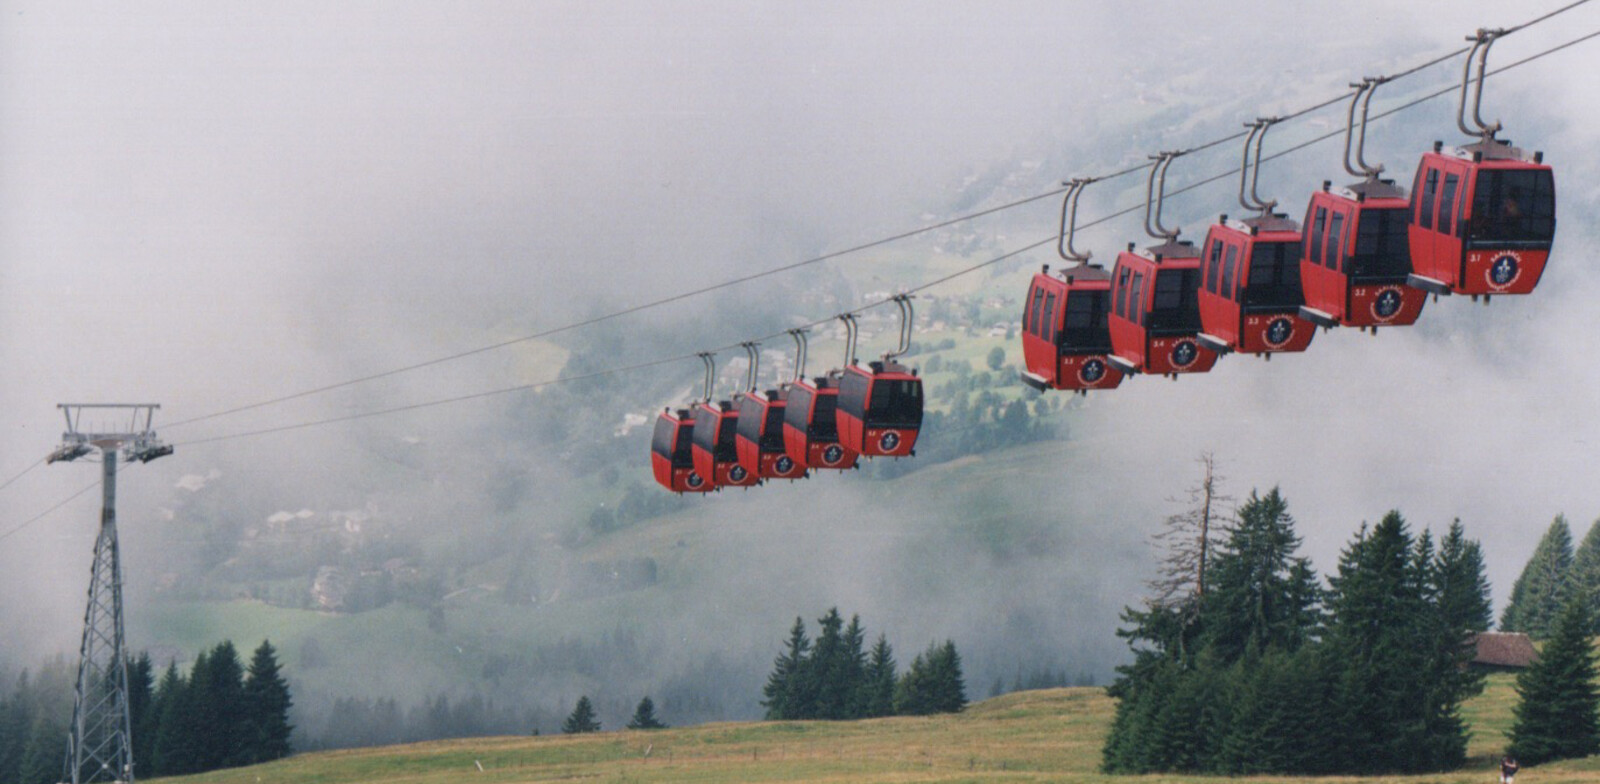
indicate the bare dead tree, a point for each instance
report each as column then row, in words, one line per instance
column 1187, row 539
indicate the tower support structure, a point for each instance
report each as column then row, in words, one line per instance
column 100, row 742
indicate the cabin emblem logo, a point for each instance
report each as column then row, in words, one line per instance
column 1092, row 371
column 1185, row 353
column 1387, row 303
column 1279, row 330
column 888, row 441
column 1503, row 271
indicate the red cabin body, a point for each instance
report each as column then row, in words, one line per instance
column 879, row 409
column 1483, row 218
column 1250, row 295
column 671, row 456
column 1357, row 257
column 810, row 425
column 1155, row 312
column 715, row 455
column 759, row 437
column 1066, row 340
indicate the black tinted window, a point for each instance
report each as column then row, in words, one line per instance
column 853, row 393
column 1228, row 267
column 1425, row 199
column 1086, row 325
column 705, row 429
column 1514, row 206
column 1316, row 234
column 824, row 424
column 1382, row 247
column 1330, row 254
column 794, row 414
column 1176, row 305
column 1274, row 275
column 771, row 430
column 666, row 431
column 896, row 403
column 1447, row 204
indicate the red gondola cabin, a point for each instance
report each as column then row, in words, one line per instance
column 759, row 436
column 1357, row 257
column 1483, row 218
column 715, row 455
column 1250, row 298
column 810, row 425
column 1066, row 339
column 671, row 456
column 880, row 409
column 1155, row 311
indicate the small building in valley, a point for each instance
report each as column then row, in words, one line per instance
column 1504, row 651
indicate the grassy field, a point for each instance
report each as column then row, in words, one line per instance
column 1052, row 735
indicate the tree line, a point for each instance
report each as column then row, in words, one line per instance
column 1258, row 668
column 837, row 678
column 222, row 714
column 1555, row 574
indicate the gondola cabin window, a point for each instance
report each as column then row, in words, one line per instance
column 1510, row 206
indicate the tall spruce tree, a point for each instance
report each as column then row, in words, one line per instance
column 582, row 718
column 180, row 738
column 1584, row 579
column 878, row 686
column 1262, row 595
column 1540, row 591
column 787, row 690
column 1557, row 715
column 826, row 670
column 1464, row 597
column 44, row 751
column 644, row 716
column 266, row 729
column 14, row 723
column 141, row 711
column 1394, row 712
column 949, row 685
column 220, row 699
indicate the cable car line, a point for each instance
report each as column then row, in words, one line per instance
column 835, row 254
column 886, row 301
column 810, row 261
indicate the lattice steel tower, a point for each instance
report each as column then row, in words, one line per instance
column 101, row 738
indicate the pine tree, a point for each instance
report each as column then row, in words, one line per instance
column 1396, row 694
column 266, row 729
column 44, row 751
column 14, row 724
column 1262, row 596
column 913, row 693
column 1464, row 597
column 644, row 717
column 181, row 737
column 827, row 671
column 786, row 690
column 582, row 718
column 1540, row 592
column 141, row 711
column 220, row 698
column 949, row 686
column 852, row 669
column 1585, row 575
column 1557, row 715
column 162, row 737
column 878, row 686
